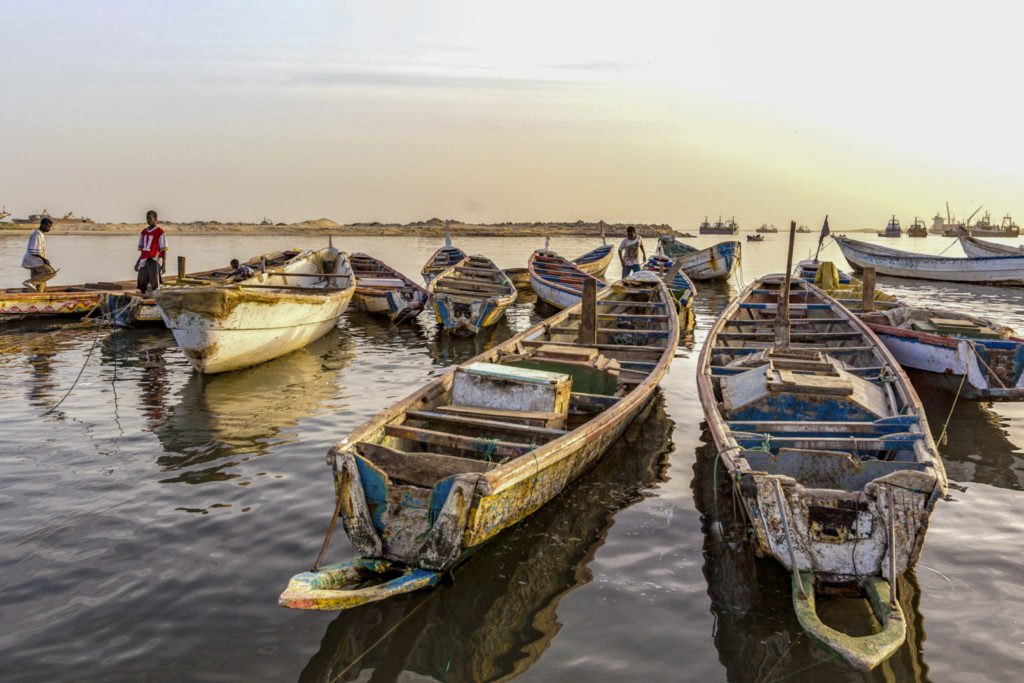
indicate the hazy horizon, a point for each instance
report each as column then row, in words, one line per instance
column 400, row 112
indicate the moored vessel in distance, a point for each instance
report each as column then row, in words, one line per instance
column 767, row 230
column 892, row 229
column 984, row 228
column 382, row 290
column 471, row 295
column 719, row 228
column 231, row 326
column 485, row 445
column 717, row 262
column 828, row 449
column 803, row 229
column 917, row 228
column 755, row 238
column 995, row 270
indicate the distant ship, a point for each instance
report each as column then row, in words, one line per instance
column 892, row 229
column 68, row 218
column 984, row 227
column 803, row 228
column 719, row 228
column 918, row 229
column 4, row 213
column 765, row 229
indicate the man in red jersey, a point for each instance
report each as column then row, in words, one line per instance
column 152, row 246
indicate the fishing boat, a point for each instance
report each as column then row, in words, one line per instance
column 719, row 228
column 4, row 213
column 427, row 481
column 755, row 238
column 712, row 263
column 679, row 286
column 803, row 229
column 768, row 230
column 1007, row 228
column 224, row 327
column 382, row 290
column 917, row 228
column 471, row 295
column 557, row 281
column 520, row 277
column 828, row 449
column 892, row 229
column 595, row 262
column 975, row 248
column 68, row 303
column 993, row 270
column 973, row 356
column 442, row 259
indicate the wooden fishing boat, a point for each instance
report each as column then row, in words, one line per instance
column 974, row 356
column 442, row 259
column 975, row 248
column 382, row 290
column 713, row 263
column 595, row 262
column 224, row 327
column 828, row 449
column 557, row 281
column 994, row 270
column 520, row 277
column 426, row 482
column 680, row 287
column 471, row 295
column 755, row 238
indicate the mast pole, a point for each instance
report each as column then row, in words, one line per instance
column 782, row 307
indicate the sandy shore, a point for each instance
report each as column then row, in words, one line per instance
column 324, row 226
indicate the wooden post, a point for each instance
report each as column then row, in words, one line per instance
column 181, row 268
column 867, row 302
column 588, row 311
column 782, row 306
column 263, row 264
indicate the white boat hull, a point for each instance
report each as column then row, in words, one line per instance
column 988, row 270
column 559, row 298
column 713, row 263
column 976, row 248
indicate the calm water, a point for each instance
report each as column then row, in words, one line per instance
column 148, row 522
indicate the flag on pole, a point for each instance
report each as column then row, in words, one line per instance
column 824, row 232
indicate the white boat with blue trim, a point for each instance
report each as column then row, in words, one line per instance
column 994, row 270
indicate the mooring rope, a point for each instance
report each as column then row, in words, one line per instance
column 942, row 436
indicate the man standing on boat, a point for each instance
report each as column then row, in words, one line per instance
column 152, row 246
column 629, row 252
column 35, row 260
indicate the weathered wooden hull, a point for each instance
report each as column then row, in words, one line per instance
column 440, row 261
column 713, row 263
column 469, row 322
column 814, row 501
column 15, row 306
column 520, row 277
column 464, row 303
column 557, row 281
column 228, row 327
column 1003, row 270
column 466, row 510
column 975, row 248
column 596, row 261
column 681, row 288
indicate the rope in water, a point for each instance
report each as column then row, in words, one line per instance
column 942, row 436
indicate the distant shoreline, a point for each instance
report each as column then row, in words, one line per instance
column 324, row 226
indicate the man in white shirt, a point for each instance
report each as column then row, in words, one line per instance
column 35, row 260
column 629, row 252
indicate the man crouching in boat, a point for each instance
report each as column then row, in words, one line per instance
column 152, row 245
column 35, row 260
column 240, row 271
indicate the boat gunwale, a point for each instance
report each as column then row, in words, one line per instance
column 503, row 299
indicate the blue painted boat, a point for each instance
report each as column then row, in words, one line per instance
column 681, row 287
column 712, row 263
column 595, row 262
column 828, row 449
column 557, row 281
column 442, row 259
column 471, row 295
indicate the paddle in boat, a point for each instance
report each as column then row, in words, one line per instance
column 595, row 262
column 994, row 270
column 976, row 248
column 679, row 286
column 713, row 263
column 828, row 449
column 223, row 327
column 471, row 295
column 382, row 290
column 556, row 280
column 426, row 482
column 442, row 259
column 974, row 356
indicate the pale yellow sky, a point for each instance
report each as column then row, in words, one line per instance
column 652, row 112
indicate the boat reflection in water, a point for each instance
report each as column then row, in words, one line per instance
column 500, row 615
column 756, row 632
column 247, row 412
column 978, row 447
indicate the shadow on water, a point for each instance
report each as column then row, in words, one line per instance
column 240, row 413
column 978, row 447
column 500, row 615
column 756, row 631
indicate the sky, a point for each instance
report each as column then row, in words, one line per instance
column 650, row 112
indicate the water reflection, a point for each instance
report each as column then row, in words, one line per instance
column 246, row 412
column 500, row 615
column 756, row 631
column 978, row 444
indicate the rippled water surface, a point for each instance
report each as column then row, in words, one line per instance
column 149, row 521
